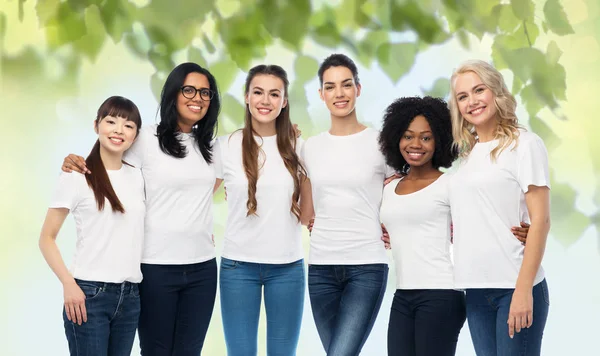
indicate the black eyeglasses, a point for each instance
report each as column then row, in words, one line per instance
column 189, row 92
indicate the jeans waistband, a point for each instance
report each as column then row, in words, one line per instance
column 104, row 286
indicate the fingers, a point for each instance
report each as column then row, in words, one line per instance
column 78, row 316
column 529, row 319
column 511, row 326
column 84, row 312
column 69, row 311
column 525, row 225
column 77, row 164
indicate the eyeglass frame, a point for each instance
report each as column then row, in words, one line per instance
column 197, row 91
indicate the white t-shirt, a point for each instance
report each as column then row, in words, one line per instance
column 109, row 244
column 487, row 199
column 347, row 174
column 419, row 227
column 274, row 234
column 179, row 192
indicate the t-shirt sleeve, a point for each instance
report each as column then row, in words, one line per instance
column 532, row 168
column 136, row 153
column 301, row 147
column 218, row 158
column 66, row 193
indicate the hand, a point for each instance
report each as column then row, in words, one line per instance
column 311, row 222
column 212, row 237
column 389, row 179
column 521, row 232
column 520, row 315
column 385, row 238
column 75, row 163
column 75, row 303
column 297, row 130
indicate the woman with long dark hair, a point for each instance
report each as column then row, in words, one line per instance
column 101, row 295
column 176, row 158
column 262, row 244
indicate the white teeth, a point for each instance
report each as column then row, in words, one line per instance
column 195, row 107
column 477, row 111
column 415, row 154
column 264, row 111
column 116, row 140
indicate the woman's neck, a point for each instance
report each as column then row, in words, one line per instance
column 264, row 129
column 111, row 161
column 423, row 172
column 347, row 125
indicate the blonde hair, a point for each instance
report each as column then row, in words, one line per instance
column 507, row 128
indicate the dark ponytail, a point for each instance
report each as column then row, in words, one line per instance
column 98, row 181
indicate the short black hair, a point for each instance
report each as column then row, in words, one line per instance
column 338, row 60
column 398, row 117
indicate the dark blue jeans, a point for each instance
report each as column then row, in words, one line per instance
column 241, row 287
column 425, row 322
column 487, row 314
column 345, row 300
column 113, row 310
column 177, row 304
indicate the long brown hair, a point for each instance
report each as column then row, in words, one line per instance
column 286, row 143
column 98, row 181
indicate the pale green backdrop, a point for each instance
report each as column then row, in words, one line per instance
column 60, row 59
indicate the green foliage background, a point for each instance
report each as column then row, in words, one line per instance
column 46, row 47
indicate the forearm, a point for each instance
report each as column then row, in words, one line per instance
column 534, row 252
column 54, row 259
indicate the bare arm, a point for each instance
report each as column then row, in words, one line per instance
column 218, row 182
column 306, row 202
column 521, row 308
column 74, row 297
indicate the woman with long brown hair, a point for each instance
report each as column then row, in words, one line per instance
column 262, row 244
column 102, row 304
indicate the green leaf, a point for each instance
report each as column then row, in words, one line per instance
column 440, row 88
column 553, row 53
column 367, row 47
column 66, row 26
column 551, row 140
column 327, row 35
column 305, row 68
column 46, row 10
column 157, row 80
column 396, row 59
column 210, row 47
column 2, row 25
column 523, row 9
column 507, row 21
column 409, row 15
column 293, row 22
column 567, row 229
column 92, row 42
column 556, row 19
column 245, row 37
column 225, row 72
column 463, row 38
column 531, row 100
column 195, row 55
column 118, row 17
column 517, row 85
column 234, row 111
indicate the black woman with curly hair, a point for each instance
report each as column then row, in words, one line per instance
column 427, row 312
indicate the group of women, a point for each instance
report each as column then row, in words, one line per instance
column 334, row 183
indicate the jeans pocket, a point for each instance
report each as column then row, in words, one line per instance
column 545, row 293
column 227, row 264
column 135, row 291
column 91, row 291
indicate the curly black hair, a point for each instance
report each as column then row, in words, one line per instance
column 398, row 117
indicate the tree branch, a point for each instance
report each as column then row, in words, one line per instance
column 526, row 33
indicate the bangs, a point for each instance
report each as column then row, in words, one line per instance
column 118, row 106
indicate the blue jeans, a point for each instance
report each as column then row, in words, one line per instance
column 241, row 285
column 113, row 310
column 425, row 322
column 487, row 313
column 177, row 304
column 345, row 300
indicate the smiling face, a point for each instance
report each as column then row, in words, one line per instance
column 339, row 91
column 266, row 98
column 190, row 111
column 116, row 134
column 475, row 100
column 417, row 144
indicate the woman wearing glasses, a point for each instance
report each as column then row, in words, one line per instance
column 178, row 290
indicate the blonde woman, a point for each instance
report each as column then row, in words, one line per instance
column 502, row 167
